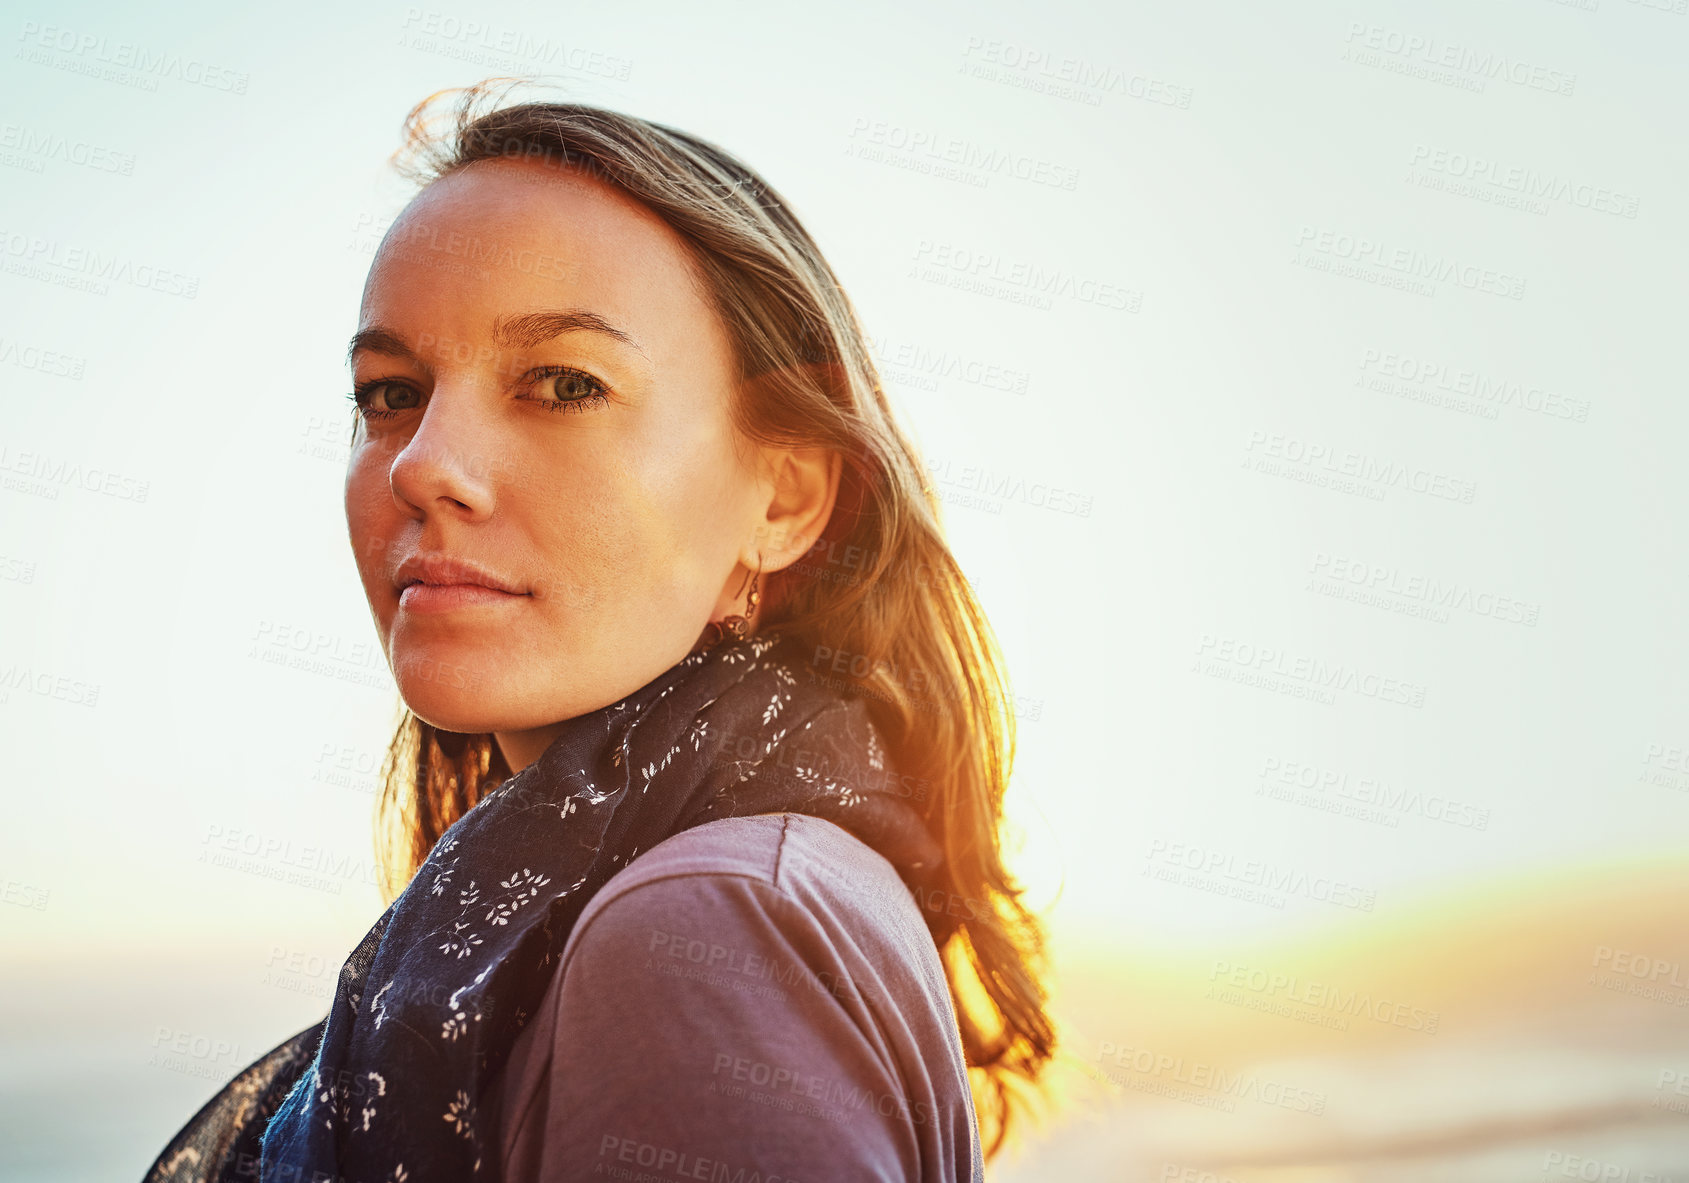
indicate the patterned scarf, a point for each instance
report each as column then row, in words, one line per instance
column 387, row 1088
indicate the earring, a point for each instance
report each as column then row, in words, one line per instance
column 736, row 626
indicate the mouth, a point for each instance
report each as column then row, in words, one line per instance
column 440, row 583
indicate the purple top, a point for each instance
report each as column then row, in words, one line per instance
column 754, row 1000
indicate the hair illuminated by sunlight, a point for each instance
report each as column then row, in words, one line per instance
column 923, row 654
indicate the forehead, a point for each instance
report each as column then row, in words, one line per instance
column 499, row 236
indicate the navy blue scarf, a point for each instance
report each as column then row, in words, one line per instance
column 387, row 1088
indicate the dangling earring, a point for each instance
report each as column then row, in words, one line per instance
column 736, row 626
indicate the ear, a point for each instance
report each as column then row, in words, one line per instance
column 801, row 485
column 798, row 487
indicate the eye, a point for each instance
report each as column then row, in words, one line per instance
column 564, row 388
column 382, row 398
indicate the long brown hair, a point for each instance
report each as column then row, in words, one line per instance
column 878, row 594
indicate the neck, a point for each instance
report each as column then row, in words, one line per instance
column 522, row 748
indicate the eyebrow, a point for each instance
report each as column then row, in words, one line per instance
column 522, row 331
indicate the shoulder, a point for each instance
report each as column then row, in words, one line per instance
column 805, row 862
column 728, row 895
column 757, row 991
column 788, row 851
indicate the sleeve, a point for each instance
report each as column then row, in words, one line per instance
column 702, row 1033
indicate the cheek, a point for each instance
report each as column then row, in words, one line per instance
column 371, row 519
column 594, row 539
column 686, row 509
column 643, row 534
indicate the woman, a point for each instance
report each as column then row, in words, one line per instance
column 692, row 820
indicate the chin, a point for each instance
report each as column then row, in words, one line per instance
column 447, row 694
column 448, row 709
column 473, row 698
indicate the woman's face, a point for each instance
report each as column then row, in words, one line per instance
column 545, row 395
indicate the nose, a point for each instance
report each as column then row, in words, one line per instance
column 446, row 467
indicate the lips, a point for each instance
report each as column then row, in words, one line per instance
column 440, row 570
column 434, row 583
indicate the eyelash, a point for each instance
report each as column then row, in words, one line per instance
column 361, row 392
